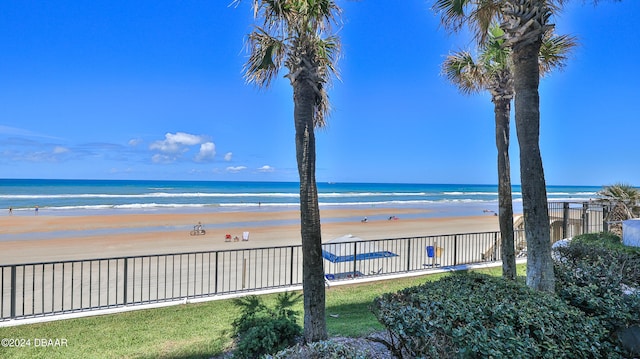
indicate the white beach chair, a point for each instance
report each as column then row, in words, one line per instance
column 245, row 236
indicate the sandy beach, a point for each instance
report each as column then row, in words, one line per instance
column 28, row 238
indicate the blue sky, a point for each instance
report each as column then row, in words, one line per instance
column 154, row 90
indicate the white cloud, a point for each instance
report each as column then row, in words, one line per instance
column 266, row 168
column 236, row 169
column 14, row 131
column 59, row 150
column 134, row 142
column 159, row 158
column 176, row 143
column 207, row 152
column 228, row 156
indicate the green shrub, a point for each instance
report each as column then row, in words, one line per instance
column 472, row 315
column 261, row 330
column 625, row 262
column 327, row 349
column 597, row 274
column 608, row 241
column 602, row 238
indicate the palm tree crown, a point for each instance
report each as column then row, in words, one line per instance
column 492, row 69
column 293, row 34
column 489, row 72
column 622, row 194
column 480, row 15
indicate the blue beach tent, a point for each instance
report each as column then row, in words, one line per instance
column 342, row 249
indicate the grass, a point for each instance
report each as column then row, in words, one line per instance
column 199, row 330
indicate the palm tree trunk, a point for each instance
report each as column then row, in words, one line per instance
column 540, row 274
column 502, row 108
column 312, row 267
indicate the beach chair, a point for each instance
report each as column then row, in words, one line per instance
column 227, row 237
column 245, row 236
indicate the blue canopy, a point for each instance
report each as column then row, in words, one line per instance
column 342, row 250
column 358, row 257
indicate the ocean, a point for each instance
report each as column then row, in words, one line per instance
column 83, row 197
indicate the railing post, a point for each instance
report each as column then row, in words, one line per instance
column 13, row 291
column 244, row 271
column 565, row 219
column 455, row 250
column 409, row 255
column 216, row 275
column 355, row 260
column 126, row 280
column 605, row 213
column 291, row 267
column 495, row 246
column 585, row 217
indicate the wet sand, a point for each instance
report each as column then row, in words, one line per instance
column 42, row 238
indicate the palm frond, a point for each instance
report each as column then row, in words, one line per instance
column 284, row 304
column 621, row 196
column 462, row 70
column 248, row 304
column 621, row 192
column 485, row 14
column 494, row 55
column 327, row 55
column 321, row 13
column 265, row 59
column 554, row 51
column 478, row 15
column 452, row 13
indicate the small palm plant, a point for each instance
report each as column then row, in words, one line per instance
column 622, row 201
column 263, row 330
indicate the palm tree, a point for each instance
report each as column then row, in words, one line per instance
column 622, row 193
column 492, row 72
column 293, row 34
column 622, row 202
column 525, row 22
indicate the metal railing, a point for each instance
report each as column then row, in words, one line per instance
column 52, row 288
column 569, row 219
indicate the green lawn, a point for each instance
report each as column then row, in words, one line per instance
column 190, row 331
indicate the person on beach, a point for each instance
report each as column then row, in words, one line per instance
column 10, row 211
column 36, row 210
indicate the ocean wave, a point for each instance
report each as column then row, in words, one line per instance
column 214, row 195
column 458, row 193
column 145, row 195
column 153, row 205
column 575, row 194
column 455, row 195
column 373, row 194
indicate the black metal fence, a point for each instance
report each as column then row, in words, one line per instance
column 569, row 219
column 51, row 288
